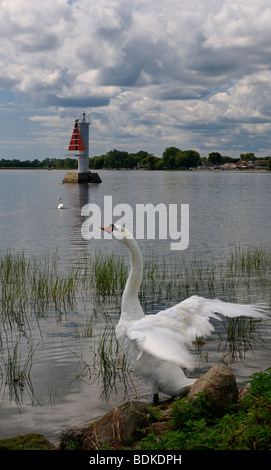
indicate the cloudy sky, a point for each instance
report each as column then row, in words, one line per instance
column 151, row 73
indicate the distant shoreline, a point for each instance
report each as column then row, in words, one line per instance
column 200, row 170
column 32, row 168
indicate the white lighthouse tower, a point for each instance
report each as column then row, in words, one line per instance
column 80, row 143
column 83, row 164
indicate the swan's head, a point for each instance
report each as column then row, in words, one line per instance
column 119, row 233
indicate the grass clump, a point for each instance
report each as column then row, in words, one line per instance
column 33, row 285
column 244, row 426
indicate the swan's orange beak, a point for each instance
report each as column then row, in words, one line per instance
column 107, row 229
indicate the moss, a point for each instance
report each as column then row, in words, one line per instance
column 27, row 442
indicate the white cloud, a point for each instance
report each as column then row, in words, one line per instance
column 148, row 71
column 239, row 23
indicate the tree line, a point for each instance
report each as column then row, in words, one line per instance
column 57, row 163
column 173, row 158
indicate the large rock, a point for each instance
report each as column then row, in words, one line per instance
column 220, row 387
column 115, row 429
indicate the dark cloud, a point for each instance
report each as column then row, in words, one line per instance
column 76, row 102
column 178, row 91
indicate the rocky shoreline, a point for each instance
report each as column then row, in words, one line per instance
column 127, row 423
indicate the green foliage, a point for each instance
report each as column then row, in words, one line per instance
column 58, row 163
column 187, row 159
column 169, row 156
column 118, row 159
column 249, row 157
column 215, row 158
column 172, row 159
column 245, row 426
column 27, row 442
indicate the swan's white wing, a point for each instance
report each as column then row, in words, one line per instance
column 194, row 313
column 160, row 337
column 166, row 334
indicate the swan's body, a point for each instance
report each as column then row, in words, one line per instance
column 155, row 345
column 60, row 205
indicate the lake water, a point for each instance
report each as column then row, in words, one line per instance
column 225, row 209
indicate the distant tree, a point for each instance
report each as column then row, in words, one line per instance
column 248, row 157
column 116, row 158
column 151, row 160
column 97, row 162
column 71, row 163
column 187, row 159
column 59, row 163
column 169, row 157
column 159, row 165
column 215, row 158
column 226, row 159
column 49, row 162
column 36, row 163
column 141, row 154
column 130, row 161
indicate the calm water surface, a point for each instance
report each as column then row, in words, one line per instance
column 225, row 209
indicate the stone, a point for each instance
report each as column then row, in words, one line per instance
column 71, row 439
column 81, row 178
column 220, row 387
column 116, row 428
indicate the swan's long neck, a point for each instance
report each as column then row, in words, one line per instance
column 130, row 307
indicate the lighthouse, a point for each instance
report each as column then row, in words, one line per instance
column 83, row 153
column 80, row 143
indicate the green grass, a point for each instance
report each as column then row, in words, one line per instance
column 245, row 426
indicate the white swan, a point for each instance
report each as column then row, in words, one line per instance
column 155, row 345
column 60, row 205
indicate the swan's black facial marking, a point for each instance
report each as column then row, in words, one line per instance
column 108, row 229
column 117, row 228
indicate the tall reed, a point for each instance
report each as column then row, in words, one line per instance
column 32, row 285
column 16, row 374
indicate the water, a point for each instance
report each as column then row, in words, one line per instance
column 226, row 209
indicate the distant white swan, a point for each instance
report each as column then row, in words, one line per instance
column 155, row 345
column 60, row 205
